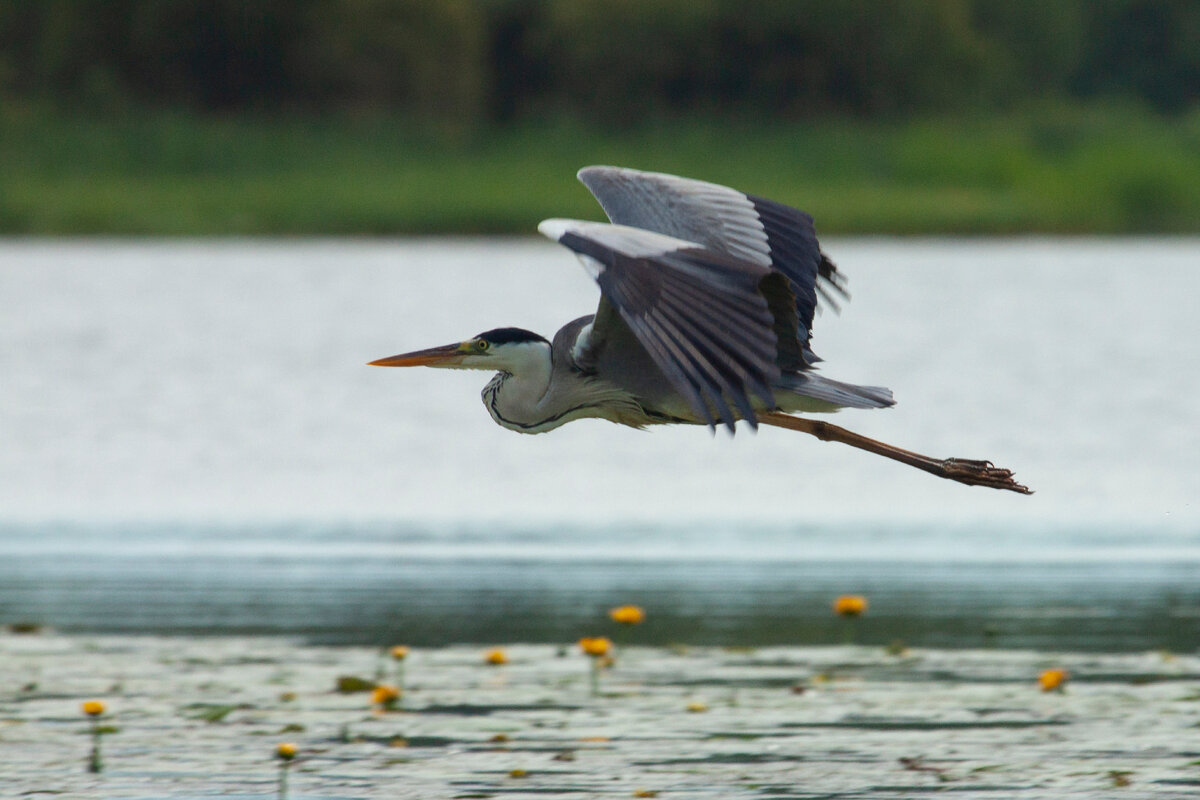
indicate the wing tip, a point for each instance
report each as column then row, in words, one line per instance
column 592, row 168
column 555, row 228
column 594, row 174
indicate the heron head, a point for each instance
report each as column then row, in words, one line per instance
column 498, row 350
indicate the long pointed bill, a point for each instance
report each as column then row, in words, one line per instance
column 445, row 356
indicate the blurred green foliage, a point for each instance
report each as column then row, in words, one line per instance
column 1060, row 170
column 380, row 116
column 460, row 63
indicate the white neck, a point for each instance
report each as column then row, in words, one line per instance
column 516, row 395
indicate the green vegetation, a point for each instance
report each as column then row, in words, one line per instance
column 430, row 116
column 471, row 62
column 210, row 712
column 1082, row 169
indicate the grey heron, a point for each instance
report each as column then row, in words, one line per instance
column 707, row 297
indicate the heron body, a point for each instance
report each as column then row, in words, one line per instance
column 542, row 385
column 705, row 317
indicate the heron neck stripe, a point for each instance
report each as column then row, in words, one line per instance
column 493, row 392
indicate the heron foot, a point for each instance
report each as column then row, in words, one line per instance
column 981, row 473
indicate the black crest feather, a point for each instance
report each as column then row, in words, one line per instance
column 510, row 336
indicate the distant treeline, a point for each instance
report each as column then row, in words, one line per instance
column 471, row 61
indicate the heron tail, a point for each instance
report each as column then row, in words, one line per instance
column 836, row 393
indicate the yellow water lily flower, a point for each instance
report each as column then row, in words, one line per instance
column 385, row 696
column 1053, row 679
column 285, row 751
column 93, row 708
column 850, row 605
column 595, row 646
column 496, row 657
column 399, row 652
column 628, row 615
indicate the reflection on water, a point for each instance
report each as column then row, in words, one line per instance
column 379, row 586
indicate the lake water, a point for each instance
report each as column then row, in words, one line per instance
column 190, row 441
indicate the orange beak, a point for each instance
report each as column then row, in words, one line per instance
column 443, row 356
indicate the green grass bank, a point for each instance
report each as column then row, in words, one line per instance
column 1079, row 170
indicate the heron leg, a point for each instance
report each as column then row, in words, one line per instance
column 970, row 472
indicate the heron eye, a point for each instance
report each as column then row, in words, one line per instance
column 483, row 344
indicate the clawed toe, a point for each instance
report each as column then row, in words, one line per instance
column 982, row 473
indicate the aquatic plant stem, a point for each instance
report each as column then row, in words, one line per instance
column 850, row 630
column 95, row 763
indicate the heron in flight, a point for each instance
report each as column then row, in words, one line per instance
column 707, row 298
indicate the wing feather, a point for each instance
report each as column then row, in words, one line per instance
column 727, row 320
column 698, row 314
column 658, row 343
column 749, row 228
column 731, row 375
column 694, row 368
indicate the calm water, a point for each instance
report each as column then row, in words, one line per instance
column 189, row 440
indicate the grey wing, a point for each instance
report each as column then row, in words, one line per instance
column 697, row 313
column 744, row 226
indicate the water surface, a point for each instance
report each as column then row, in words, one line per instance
column 190, row 439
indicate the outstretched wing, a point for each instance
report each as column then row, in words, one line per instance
column 698, row 313
column 744, row 226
